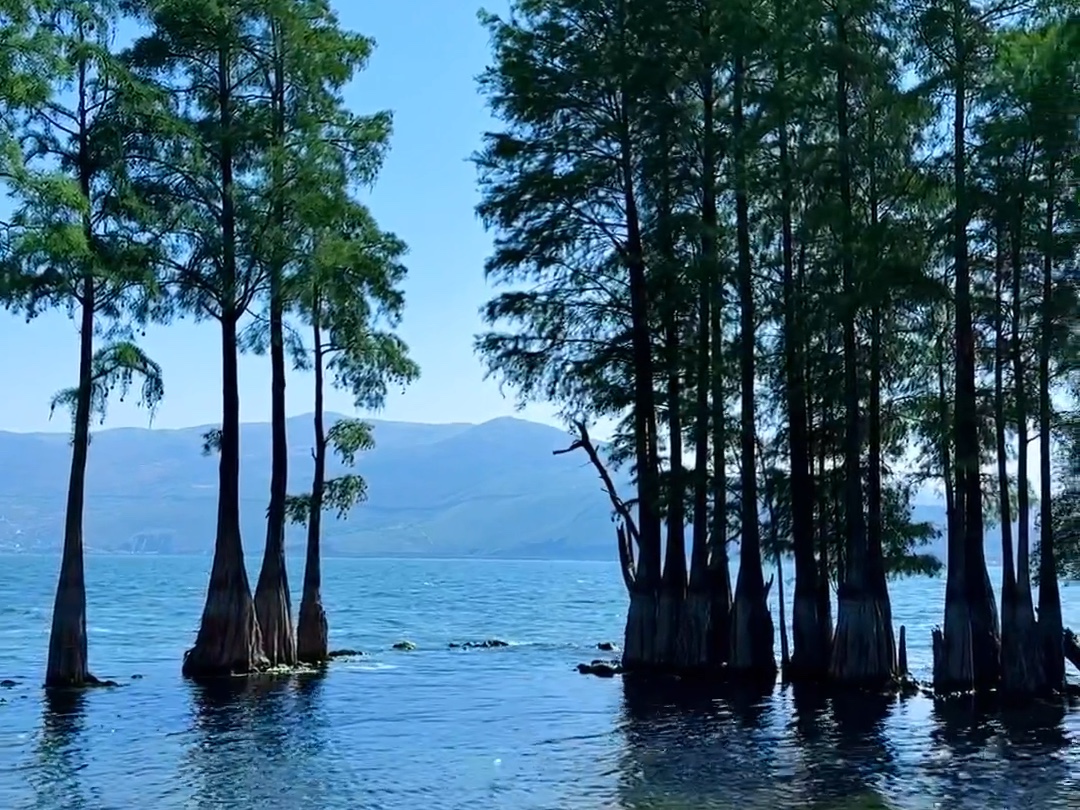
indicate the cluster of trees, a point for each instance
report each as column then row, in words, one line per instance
column 810, row 255
column 209, row 169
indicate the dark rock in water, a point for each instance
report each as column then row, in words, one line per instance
column 405, row 646
column 601, row 669
column 343, row 654
column 7, row 683
column 136, row 677
column 606, row 646
column 480, row 645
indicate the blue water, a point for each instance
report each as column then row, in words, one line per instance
column 513, row 727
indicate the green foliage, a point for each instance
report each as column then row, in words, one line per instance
column 347, row 438
column 115, row 368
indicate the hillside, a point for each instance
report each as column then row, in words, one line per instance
column 493, row 489
column 450, row 490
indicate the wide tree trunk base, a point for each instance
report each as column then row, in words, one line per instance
column 1021, row 661
column 312, row 632
column 668, row 618
column 274, row 614
column 752, row 656
column 639, row 643
column 692, row 646
column 229, row 641
column 67, row 665
column 810, row 658
column 864, row 649
column 954, row 668
column 1051, row 634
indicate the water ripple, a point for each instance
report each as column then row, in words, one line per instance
column 440, row 728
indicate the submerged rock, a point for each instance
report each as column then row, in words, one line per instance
column 136, row 677
column 344, row 654
column 601, row 669
column 7, row 683
column 606, row 646
column 480, row 645
column 405, row 646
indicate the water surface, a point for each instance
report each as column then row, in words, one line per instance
column 513, row 727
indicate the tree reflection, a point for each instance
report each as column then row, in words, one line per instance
column 227, row 761
column 688, row 745
column 986, row 753
column 60, row 756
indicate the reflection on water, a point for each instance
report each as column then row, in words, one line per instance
column 506, row 729
column 58, row 753
column 805, row 748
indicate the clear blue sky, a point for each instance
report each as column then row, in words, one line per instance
column 429, row 53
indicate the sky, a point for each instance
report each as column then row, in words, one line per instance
column 424, row 69
column 427, row 57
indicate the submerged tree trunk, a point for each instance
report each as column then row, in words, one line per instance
column 1026, row 652
column 811, row 660
column 719, row 562
column 971, row 645
column 877, row 582
column 693, row 648
column 751, row 623
column 1051, row 630
column 68, row 664
column 860, row 654
column 673, row 586
column 272, row 599
column 228, row 641
column 640, row 645
column 273, row 604
column 312, row 631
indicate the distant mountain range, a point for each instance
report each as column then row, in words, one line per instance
column 451, row 490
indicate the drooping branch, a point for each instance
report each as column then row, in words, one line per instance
column 627, row 533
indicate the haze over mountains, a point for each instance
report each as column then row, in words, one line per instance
column 448, row 490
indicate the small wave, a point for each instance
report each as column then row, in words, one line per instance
column 371, row 666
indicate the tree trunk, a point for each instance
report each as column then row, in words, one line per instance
column 673, row 587
column 1014, row 676
column 640, row 648
column 1051, row 630
column 877, row 583
column 68, row 663
column 811, row 659
column 751, row 624
column 312, row 631
column 229, row 640
column 719, row 562
column 971, row 644
column 273, row 604
column 692, row 649
column 860, row 654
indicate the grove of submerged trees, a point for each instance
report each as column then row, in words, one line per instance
column 207, row 169
column 809, row 256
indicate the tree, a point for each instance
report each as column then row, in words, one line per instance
column 79, row 241
column 349, row 292
column 192, row 165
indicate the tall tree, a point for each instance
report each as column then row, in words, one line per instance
column 349, row 292
column 192, row 164
column 78, row 242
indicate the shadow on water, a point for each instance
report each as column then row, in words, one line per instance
column 988, row 755
column 234, row 760
column 59, row 752
column 262, row 742
column 702, row 746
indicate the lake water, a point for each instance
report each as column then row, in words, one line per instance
column 514, row 728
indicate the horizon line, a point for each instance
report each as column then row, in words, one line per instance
column 306, row 415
